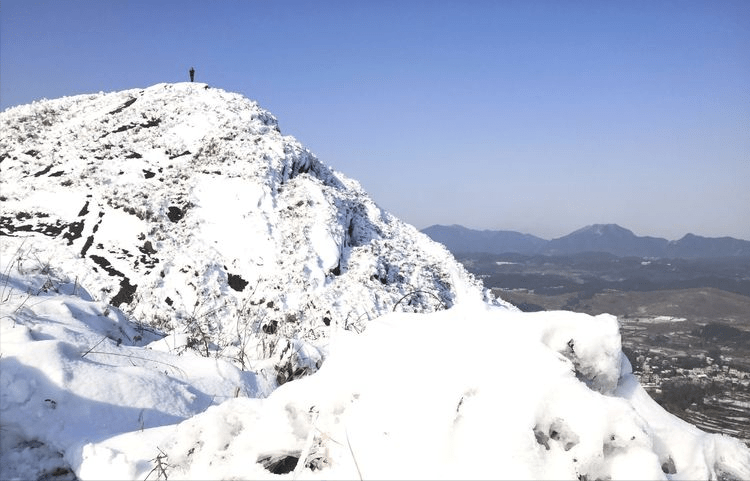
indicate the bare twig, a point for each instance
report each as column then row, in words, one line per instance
column 130, row 356
column 6, row 274
column 419, row 292
column 356, row 465
column 160, row 466
column 92, row 347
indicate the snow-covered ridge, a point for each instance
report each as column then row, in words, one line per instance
column 183, row 205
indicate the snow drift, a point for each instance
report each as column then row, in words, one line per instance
column 170, row 263
column 475, row 391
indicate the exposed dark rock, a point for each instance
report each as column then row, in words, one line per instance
column 10, row 225
column 175, row 214
column 236, row 282
column 336, row 271
column 279, row 463
column 125, row 294
column 151, row 123
column 123, row 128
column 148, row 248
column 74, row 231
column 43, row 171
column 187, row 152
column 122, row 107
column 87, row 245
column 104, row 264
column 668, row 466
column 84, row 210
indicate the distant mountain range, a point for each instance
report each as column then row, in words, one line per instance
column 609, row 238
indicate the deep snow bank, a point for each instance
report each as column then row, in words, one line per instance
column 471, row 392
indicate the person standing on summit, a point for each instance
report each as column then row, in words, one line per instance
column 192, row 73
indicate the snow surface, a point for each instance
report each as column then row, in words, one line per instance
column 475, row 391
column 185, row 206
column 188, row 294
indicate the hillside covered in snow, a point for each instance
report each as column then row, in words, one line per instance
column 184, row 206
column 188, row 294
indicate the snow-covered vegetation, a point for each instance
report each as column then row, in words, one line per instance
column 184, row 206
column 186, row 293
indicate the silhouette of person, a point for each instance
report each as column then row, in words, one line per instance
column 192, row 73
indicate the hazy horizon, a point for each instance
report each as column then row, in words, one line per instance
column 565, row 233
column 540, row 117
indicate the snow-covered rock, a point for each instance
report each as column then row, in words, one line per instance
column 184, row 206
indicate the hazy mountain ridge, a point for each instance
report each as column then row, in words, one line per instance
column 461, row 239
column 609, row 238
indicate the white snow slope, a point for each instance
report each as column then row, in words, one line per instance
column 184, row 206
column 195, row 388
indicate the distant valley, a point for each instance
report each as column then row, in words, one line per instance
column 594, row 272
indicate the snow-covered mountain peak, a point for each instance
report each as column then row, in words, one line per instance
column 185, row 206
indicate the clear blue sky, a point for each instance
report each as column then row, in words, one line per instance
column 534, row 116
